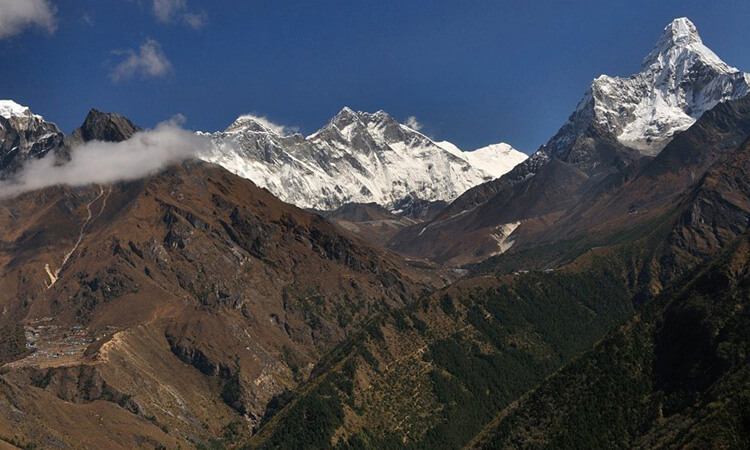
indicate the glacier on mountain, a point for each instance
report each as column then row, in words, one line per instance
column 680, row 80
column 358, row 157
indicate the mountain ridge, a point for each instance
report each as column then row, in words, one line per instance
column 357, row 157
column 681, row 80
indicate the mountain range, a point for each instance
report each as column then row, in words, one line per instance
column 357, row 157
column 619, row 126
column 369, row 287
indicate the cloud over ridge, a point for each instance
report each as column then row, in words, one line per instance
column 279, row 129
column 413, row 123
column 96, row 162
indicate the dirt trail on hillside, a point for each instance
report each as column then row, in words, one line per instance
column 55, row 275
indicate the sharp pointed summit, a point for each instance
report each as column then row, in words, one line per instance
column 344, row 119
column 681, row 31
column 680, row 42
column 681, row 79
column 619, row 123
column 345, row 112
column 108, row 127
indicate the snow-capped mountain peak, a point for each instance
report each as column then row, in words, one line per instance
column 368, row 129
column 357, row 157
column 679, row 41
column 343, row 123
column 24, row 135
column 345, row 115
column 680, row 80
column 680, row 31
column 9, row 109
column 256, row 124
column 493, row 152
column 500, row 157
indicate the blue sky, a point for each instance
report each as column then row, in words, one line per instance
column 473, row 72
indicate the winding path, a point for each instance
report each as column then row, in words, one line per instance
column 55, row 275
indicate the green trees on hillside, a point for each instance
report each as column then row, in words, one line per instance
column 677, row 375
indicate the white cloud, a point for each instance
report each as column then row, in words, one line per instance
column 146, row 153
column 195, row 20
column 177, row 10
column 16, row 15
column 165, row 10
column 276, row 128
column 148, row 62
column 413, row 123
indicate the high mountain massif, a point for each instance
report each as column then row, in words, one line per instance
column 368, row 287
column 356, row 158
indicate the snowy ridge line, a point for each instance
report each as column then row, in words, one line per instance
column 10, row 109
column 681, row 79
column 357, row 157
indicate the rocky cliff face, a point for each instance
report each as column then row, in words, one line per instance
column 107, row 127
column 26, row 136
column 23, row 136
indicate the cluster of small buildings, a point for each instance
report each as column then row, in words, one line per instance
column 47, row 340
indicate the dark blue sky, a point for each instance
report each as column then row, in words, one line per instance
column 472, row 72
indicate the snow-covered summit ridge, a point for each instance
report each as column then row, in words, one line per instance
column 499, row 158
column 356, row 157
column 9, row 108
column 680, row 31
column 256, row 123
column 680, row 39
column 681, row 79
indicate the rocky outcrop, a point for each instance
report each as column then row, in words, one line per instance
column 24, row 136
column 107, row 127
